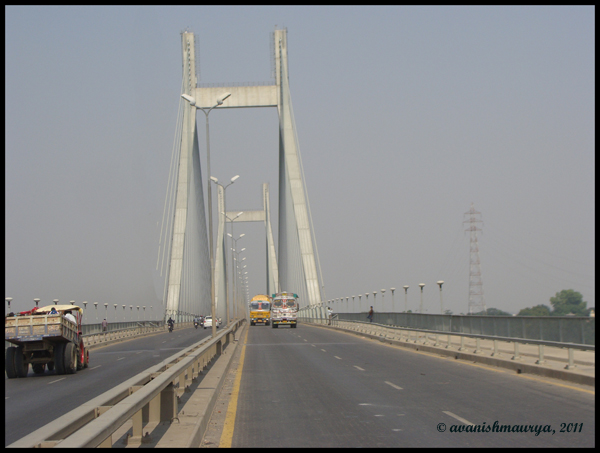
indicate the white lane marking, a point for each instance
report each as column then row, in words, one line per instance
column 165, row 341
column 339, row 358
column 305, row 340
column 97, row 366
column 6, row 397
column 323, row 350
column 393, row 385
column 57, row 380
column 380, row 415
column 358, row 368
column 365, row 404
column 396, row 430
column 120, row 359
column 139, row 352
column 313, row 345
column 460, row 419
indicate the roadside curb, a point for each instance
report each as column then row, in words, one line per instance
column 518, row 367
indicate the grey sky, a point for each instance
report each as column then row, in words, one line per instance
column 405, row 115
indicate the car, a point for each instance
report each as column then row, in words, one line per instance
column 208, row 322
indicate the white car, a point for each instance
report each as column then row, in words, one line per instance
column 208, row 322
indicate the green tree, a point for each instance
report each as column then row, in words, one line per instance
column 568, row 301
column 538, row 310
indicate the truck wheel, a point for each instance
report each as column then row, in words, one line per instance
column 87, row 359
column 50, row 366
column 274, row 326
column 38, row 368
column 59, row 358
column 70, row 358
column 21, row 364
column 9, row 366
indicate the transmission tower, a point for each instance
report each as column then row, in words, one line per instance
column 476, row 302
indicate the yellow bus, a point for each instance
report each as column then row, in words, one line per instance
column 260, row 310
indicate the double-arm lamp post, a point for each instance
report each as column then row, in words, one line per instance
column 192, row 102
column 216, row 181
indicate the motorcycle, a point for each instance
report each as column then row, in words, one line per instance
column 196, row 324
column 170, row 327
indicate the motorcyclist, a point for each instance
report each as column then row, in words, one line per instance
column 170, row 322
column 196, row 322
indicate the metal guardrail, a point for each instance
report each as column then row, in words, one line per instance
column 150, row 396
column 558, row 329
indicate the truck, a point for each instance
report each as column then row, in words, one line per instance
column 45, row 338
column 260, row 310
column 284, row 310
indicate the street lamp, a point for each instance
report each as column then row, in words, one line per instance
column 440, row 283
column 115, row 305
column 85, row 307
column 216, row 181
column 192, row 102
column 8, row 299
column 421, row 285
column 353, row 307
column 106, row 311
column 383, row 300
column 37, row 301
column 95, row 310
column 55, row 301
column 405, row 298
column 392, row 290
column 232, row 270
column 359, row 296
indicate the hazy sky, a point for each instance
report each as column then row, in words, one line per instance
column 405, row 116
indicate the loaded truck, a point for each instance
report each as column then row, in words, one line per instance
column 49, row 337
column 284, row 310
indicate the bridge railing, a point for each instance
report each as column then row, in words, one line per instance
column 554, row 329
column 149, row 397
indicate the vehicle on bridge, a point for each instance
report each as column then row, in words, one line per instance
column 208, row 322
column 284, row 310
column 49, row 337
column 260, row 310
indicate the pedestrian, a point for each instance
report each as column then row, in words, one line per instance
column 370, row 317
column 104, row 325
column 330, row 314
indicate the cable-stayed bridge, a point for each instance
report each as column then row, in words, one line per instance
column 187, row 254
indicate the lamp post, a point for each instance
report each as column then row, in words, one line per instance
column 421, row 285
column 85, row 308
column 95, row 310
column 440, row 283
column 8, row 300
column 392, row 290
column 353, row 307
column 124, row 312
column 115, row 305
column 106, row 311
column 405, row 298
column 359, row 296
column 55, row 301
column 233, row 278
column 216, row 181
column 37, row 301
column 192, row 102
column 383, row 300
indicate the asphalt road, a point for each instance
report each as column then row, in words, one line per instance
column 313, row 387
column 32, row 402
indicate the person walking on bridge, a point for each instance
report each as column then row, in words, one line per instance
column 370, row 316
